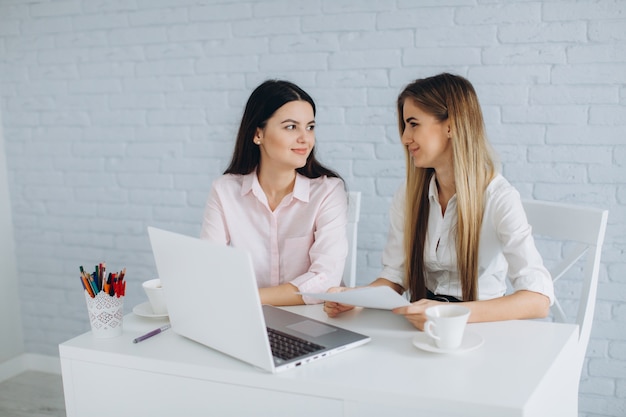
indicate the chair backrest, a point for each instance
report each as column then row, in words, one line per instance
column 354, row 210
column 581, row 230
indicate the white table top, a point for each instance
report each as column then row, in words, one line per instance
column 503, row 373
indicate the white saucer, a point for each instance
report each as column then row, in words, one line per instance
column 145, row 310
column 470, row 342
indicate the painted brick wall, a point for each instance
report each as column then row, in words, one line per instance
column 118, row 115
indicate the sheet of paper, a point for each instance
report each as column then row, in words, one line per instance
column 372, row 297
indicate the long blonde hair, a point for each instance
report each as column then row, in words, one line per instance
column 453, row 98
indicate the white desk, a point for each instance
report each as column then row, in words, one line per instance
column 523, row 369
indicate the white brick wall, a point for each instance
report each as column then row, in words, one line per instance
column 118, row 114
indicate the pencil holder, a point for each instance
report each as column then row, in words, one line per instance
column 106, row 314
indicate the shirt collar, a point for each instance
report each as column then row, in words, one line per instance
column 433, row 193
column 301, row 188
column 249, row 183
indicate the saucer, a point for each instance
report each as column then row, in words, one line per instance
column 145, row 310
column 470, row 342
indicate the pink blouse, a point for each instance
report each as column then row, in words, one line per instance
column 302, row 242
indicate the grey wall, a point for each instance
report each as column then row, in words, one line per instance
column 118, row 114
column 10, row 314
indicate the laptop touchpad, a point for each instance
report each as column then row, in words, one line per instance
column 311, row 328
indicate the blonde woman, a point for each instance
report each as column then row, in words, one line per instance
column 457, row 227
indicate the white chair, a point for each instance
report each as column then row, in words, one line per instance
column 581, row 229
column 354, row 210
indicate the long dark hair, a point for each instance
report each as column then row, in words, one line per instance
column 262, row 104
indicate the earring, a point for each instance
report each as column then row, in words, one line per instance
column 258, row 142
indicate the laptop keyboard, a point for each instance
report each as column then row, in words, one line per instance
column 287, row 347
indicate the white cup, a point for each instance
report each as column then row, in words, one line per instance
column 446, row 325
column 156, row 295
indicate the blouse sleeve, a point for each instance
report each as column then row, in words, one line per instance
column 525, row 265
column 330, row 246
column 393, row 255
column 214, row 226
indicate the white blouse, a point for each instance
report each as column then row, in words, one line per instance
column 507, row 247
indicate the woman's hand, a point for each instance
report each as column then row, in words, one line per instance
column 332, row 308
column 415, row 313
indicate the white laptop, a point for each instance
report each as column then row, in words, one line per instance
column 212, row 298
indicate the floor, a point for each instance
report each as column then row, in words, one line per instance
column 32, row 394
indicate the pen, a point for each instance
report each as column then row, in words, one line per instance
column 152, row 333
column 92, row 282
column 87, row 286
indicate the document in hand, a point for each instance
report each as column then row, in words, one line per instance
column 371, row 297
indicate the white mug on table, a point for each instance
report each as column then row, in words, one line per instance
column 446, row 325
column 155, row 294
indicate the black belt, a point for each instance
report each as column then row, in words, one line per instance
column 438, row 297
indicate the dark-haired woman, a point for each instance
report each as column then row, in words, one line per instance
column 278, row 202
column 458, row 228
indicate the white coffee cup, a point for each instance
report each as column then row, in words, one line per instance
column 156, row 295
column 446, row 325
